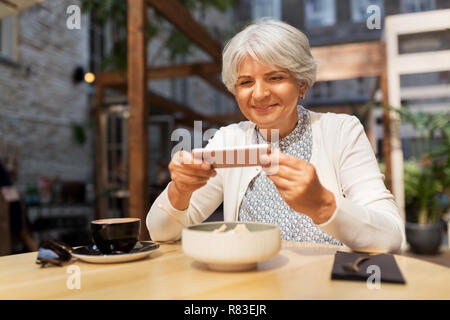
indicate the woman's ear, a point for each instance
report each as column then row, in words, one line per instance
column 302, row 88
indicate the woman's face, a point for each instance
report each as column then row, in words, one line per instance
column 268, row 96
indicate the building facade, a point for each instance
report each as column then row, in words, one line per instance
column 42, row 103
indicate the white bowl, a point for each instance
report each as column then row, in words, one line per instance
column 231, row 251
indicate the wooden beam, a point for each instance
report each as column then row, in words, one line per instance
column 6, row 11
column 386, row 121
column 205, row 70
column 10, row 4
column 162, row 72
column 139, row 113
column 10, row 7
column 348, row 61
column 175, row 13
column 386, row 132
column 111, row 78
column 173, row 106
column 189, row 115
column 383, row 80
column 101, row 202
column 184, row 70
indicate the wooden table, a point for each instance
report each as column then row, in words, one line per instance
column 299, row 271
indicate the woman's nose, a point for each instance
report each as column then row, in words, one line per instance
column 260, row 92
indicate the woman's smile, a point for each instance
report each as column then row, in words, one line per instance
column 265, row 108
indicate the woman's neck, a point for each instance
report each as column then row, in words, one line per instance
column 279, row 133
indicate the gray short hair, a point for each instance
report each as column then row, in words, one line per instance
column 270, row 42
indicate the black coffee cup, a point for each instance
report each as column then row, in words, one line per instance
column 115, row 235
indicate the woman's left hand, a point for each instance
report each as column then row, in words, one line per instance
column 299, row 185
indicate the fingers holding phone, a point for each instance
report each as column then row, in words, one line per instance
column 189, row 174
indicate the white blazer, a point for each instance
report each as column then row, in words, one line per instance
column 366, row 216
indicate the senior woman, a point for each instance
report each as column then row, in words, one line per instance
column 327, row 187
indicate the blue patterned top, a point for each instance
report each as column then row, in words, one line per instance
column 263, row 203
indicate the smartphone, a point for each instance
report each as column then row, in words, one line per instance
column 244, row 156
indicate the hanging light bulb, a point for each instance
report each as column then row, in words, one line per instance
column 89, row 77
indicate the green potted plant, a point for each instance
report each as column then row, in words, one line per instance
column 426, row 180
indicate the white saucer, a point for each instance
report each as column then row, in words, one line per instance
column 89, row 254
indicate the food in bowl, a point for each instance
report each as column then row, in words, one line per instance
column 222, row 228
column 239, row 228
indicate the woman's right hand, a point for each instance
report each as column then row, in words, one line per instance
column 187, row 176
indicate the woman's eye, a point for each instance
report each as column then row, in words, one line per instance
column 276, row 78
column 244, row 82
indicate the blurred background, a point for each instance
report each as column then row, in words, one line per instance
column 65, row 162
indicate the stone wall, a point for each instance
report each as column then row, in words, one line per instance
column 39, row 102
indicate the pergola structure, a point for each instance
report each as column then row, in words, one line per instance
column 335, row 62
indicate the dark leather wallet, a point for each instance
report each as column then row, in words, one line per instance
column 387, row 267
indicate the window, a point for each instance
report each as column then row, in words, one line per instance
column 359, row 9
column 320, row 13
column 102, row 39
column 97, row 35
column 417, row 5
column 8, row 37
column 117, row 145
column 266, row 8
column 1, row 50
